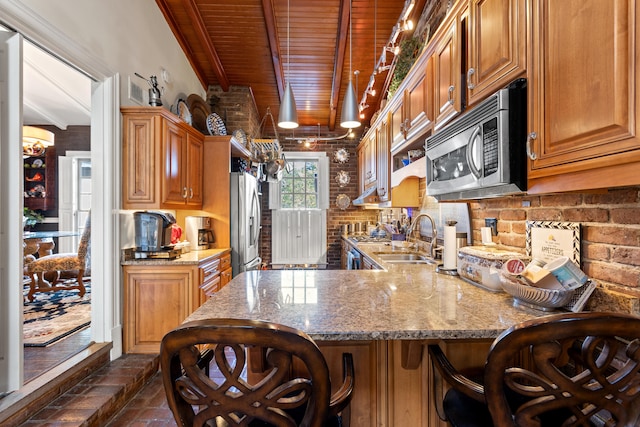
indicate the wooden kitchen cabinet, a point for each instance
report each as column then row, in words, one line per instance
column 156, row 300
column 159, row 297
column 412, row 111
column 367, row 161
column 162, row 160
column 447, row 53
column 214, row 274
column 383, row 161
column 496, row 33
column 584, row 96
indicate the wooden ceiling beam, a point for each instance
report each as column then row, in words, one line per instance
column 274, row 44
column 201, row 30
column 338, row 66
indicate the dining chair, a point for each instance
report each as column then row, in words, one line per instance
column 261, row 374
column 569, row 369
column 77, row 261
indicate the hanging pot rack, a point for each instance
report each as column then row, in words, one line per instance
column 265, row 150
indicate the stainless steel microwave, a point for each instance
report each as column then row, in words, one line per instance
column 482, row 153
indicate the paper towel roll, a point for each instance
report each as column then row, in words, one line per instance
column 450, row 251
column 485, row 233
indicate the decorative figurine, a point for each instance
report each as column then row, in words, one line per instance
column 154, row 91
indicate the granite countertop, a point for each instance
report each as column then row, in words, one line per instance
column 401, row 301
column 192, row 257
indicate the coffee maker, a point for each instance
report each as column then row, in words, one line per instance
column 199, row 232
column 153, row 230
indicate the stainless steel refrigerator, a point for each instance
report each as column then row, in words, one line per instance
column 245, row 223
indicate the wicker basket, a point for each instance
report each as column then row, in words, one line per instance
column 537, row 298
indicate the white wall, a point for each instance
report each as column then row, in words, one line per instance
column 129, row 36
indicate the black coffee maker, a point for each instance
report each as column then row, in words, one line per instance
column 153, row 230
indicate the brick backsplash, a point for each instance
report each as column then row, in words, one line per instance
column 610, row 236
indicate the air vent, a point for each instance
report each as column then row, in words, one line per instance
column 135, row 93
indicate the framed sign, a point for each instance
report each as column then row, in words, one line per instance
column 547, row 240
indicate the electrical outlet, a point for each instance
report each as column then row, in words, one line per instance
column 493, row 223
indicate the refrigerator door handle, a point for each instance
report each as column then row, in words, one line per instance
column 255, row 210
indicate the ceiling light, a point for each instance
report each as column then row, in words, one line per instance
column 35, row 140
column 407, row 25
column 349, row 117
column 288, row 115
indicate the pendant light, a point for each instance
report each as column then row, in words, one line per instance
column 288, row 115
column 349, row 118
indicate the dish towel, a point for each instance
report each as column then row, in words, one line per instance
column 356, row 261
column 349, row 260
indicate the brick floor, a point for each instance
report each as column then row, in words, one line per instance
column 147, row 408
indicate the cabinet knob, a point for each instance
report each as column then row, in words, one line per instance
column 470, row 73
column 532, row 155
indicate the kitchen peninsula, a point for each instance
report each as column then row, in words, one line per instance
column 384, row 318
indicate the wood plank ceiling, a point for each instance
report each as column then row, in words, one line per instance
column 245, row 43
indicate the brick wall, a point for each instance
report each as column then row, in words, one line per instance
column 610, row 236
column 237, row 108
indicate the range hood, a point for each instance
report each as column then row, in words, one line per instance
column 369, row 197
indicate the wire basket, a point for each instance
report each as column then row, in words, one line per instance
column 537, row 298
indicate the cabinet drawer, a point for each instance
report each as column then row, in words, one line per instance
column 210, row 287
column 225, row 262
column 209, row 270
column 225, row 277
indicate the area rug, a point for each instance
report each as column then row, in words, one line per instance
column 55, row 315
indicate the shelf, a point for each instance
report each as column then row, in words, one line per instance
column 417, row 169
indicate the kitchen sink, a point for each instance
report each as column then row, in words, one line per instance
column 404, row 258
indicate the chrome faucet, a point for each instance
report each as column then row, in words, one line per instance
column 434, row 233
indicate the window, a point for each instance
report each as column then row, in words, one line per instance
column 299, row 185
column 304, row 184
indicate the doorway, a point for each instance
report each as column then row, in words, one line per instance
column 105, row 159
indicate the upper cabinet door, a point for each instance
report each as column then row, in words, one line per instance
column 194, row 168
column 174, row 189
column 584, row 95
column 496, row 54
column 448, row 91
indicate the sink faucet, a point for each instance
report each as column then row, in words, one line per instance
column 433, row 244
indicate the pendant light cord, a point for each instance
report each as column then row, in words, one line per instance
column 350, row 35
column 288, row 48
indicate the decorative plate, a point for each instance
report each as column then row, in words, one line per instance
column 343, row 178
column 37, row 163
column 241, row 136
column 215, row 125
column 182, row 109
column 341, row 155
column 200, row 110
column 343, row 201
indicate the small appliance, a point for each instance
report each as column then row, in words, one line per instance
column 153, row 231
column 199, row 232
column 482, row 153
